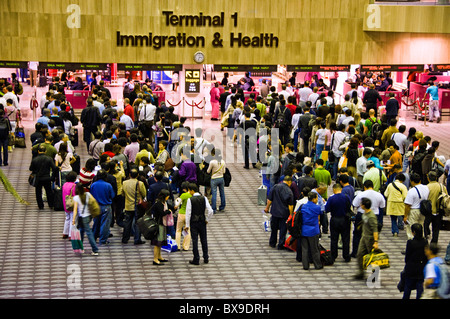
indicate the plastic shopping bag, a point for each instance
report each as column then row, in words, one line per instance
column 75, row 239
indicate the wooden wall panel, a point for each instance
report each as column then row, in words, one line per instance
column 309, row 32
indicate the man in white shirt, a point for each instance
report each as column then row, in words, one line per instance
column 198, row 214
column 361, row 164
column 400, row 139
column 362, row 89
column 417, row 193
column 378, row 202
column 128, row 121
column 313, row 97
column 336, row 140
column 304, row 93
column 284, row 92
column 10, row 95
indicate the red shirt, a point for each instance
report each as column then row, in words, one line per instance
column 128, row 110
column 291, row 108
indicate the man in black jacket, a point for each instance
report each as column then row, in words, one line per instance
column 44, row 168
column 91, row 119
column 370, row 99
column 5, row 130
column 305, row 132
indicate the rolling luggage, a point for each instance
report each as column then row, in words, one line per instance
column 74, row 137
column 148, row 227
column 58, row 201
column 19, row 140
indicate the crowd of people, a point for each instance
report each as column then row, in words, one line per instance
column 144, row 160
column 374, row 166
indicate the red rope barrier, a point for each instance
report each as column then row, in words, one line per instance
column 197, row 105
column 173, row 104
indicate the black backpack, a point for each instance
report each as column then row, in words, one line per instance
column 294, row 223
column 280, row 121
column 375, row 130
column 416, row 163
column 4, row 129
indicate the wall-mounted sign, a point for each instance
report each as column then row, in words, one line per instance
column 392, row 67
column 441, row 67
column 73, row 66
column 245, row 68
column 318, row 68
column 192, row 80
column 149, row 67
column 13, row 65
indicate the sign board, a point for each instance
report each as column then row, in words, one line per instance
column 13, row 65
column 318, row 68
column 245, row 68
column 149, row 67
column 392, row 67
column 73, row 66
column 441, row 67
column 192, row 80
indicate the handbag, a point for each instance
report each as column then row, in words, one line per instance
column 168, row 218
column 148, row 226
column 94, row 207
column 75, row 239
column 343, row 161
column 69, row 200
column 376, row 258
column 142, row 204
column 32, row 180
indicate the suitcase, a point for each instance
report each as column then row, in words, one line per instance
column 58, row 201
column 76, row 166
column 19, row 140
column 74, row 137
column 262, row 195
column 42, row 81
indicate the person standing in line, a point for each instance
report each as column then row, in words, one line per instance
column 217, row 168
column 371, row 98
column 44, row 168
column 311, row 231
column 435, row 219
column 64, row 161
column 338, row 205
column 433, row 91
column 159, row 210
column 369, row 237
column 68, row 189
column 181, row 220
column 82, row 216
column 415, row 261
column 103, row 192
column 415, row 195
column 215, row 103
column 198, row 214
column 5, row 130
column 395, row 194
column 90, row 119
column 280, row 201
column 133, row 191
column 392, row 107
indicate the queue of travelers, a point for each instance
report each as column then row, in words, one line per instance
column 137, row 165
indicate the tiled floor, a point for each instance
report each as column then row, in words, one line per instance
column 36, row 263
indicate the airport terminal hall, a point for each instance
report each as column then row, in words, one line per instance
column 219, row 158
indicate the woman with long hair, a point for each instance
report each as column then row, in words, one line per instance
column 64, row 161
column 159, row 210
column 82, row 216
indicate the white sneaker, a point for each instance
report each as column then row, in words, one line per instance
column 94, row 254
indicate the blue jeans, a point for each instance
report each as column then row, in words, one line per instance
column 102, row 224
column 319, row 149
column 85, row 228
column 397, row 222
column 405, row 164
column 296, row 136
column 220, row 183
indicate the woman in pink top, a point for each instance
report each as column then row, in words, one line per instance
column 68, row 188
column 215, row 104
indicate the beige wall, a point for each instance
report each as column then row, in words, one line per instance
column 309, row 32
